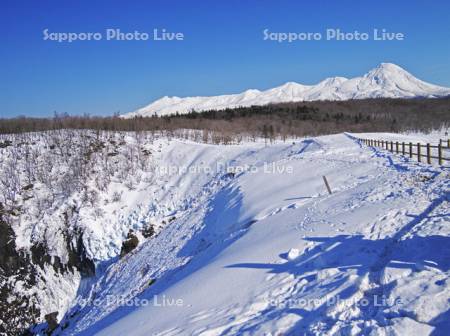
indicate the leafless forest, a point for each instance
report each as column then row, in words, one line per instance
column 270, row 121
column 46, row 179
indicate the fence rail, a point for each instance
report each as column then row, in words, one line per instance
column 421, row 151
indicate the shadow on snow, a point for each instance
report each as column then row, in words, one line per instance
column 367, row 258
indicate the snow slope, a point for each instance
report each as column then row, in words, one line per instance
column 387, row 80
column 266, row 250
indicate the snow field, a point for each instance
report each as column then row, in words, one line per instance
column 271, row 252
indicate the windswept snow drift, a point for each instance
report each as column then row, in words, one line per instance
column 263, row 249
column 387, row 80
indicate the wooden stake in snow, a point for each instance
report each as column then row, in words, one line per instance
column 326, row 184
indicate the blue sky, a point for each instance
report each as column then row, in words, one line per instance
column 223, row 50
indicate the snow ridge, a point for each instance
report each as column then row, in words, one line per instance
column 385, row 81
column 271, row 254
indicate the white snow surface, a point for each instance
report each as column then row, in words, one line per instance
column 387, row 80
column 267, row 251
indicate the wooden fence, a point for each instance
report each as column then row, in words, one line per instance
column 426, row 152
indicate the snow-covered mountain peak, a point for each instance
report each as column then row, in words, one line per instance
column 388, row 73
column 251, row 93
column 291, row 85
column 385, row 66
column 387, row 80
column 167, row 98
column 332, row 81
column 289, row 89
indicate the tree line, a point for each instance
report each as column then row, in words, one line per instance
column 271, row 121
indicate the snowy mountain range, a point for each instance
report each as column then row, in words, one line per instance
column 387, row 80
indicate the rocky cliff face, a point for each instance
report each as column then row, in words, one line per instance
column 61, row 213
column 17, row 309
column 21, row 275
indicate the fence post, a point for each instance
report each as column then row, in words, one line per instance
column 392, row 146
column 396, row 147
column 410, row 150
column 440, row 154
column 448, row 143
column 428, row 153
column 403, row 148
column 418, row 152
column 326, row 184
